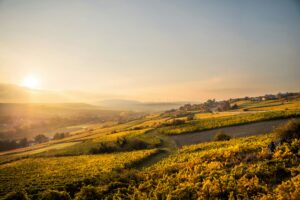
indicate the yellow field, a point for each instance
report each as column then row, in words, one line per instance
column 216, row 115
column 45, row 173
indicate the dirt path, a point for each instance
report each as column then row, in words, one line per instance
column 167, row 147
column 257, row 128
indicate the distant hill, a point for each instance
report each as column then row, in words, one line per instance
column 121, row 104
column 15, row 94
column 18, row 120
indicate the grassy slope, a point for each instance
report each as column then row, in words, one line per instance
column 92, row 135
column 242, row 118
column 240, row 169
column 35, row 174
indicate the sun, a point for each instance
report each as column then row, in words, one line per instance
column 30, row 82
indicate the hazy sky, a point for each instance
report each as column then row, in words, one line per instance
column 153, row 50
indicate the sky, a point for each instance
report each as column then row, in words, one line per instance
column 152, row 50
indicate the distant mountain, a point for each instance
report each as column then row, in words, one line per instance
column 121, row 104
column 16, row 94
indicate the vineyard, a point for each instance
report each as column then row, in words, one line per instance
column 237, row 169
column 140, row 159
column 37, row 174
column 211, row 123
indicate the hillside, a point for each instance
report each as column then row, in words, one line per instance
column 141, row 159
column 139, row 106
column 30, row 119
column 240, row 168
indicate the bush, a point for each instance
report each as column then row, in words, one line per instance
column 20, row 195
column 104, row 148
column 289, row 131
column 234, row 106
column 220, row 136
column 121, row 144
column 136, row 144
column 54, row 195
column 89, row 193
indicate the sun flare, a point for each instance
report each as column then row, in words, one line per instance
column 30, row 82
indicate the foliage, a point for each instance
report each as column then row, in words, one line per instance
column 211, row 123
column 288, row 131
column 59, row 136
column 220, row 136
column 121, row 144
column 54, row 195
column 12, row 144
column 41, row 138
column 235, row 169
column 89, row 193
column 20, row 195
column 38, row 174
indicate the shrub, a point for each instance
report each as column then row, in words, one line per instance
column 289, row 189
column 20, row 195
column 73, row 188
column 41, row 138
column 54, row 195
column 121, row 141
column 104, row 148
column 289, row 131
column 89, row 193
column 234, row 106
column 121, row 144
column 220, row 136
column 136, row 144
column 190, row 117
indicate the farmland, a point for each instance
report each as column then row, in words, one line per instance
column 141, row 158
column 217, row 122
column 149, row 100
column 37, row 174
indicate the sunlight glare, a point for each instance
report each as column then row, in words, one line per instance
column 30, row 82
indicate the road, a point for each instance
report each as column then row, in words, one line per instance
column 251, row 129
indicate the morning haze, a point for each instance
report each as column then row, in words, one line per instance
column 149, row 99
column 152, row 50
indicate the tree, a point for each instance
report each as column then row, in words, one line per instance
column 41, row 138
column 223, row 106
column 234, row 106
column 58, row 136
column 23, row 142
column 8, row 145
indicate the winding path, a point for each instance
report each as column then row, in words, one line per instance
column 170, row 144
column 257, row 128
